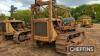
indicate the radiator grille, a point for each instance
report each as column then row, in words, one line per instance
column 41, row 28
column 2, row 27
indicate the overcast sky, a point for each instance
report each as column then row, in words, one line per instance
column 25, row 4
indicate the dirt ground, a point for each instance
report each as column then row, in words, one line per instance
column 9, row 48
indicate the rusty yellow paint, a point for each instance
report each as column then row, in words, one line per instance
column 54, row 33
column 9, row 28
column 41, row 38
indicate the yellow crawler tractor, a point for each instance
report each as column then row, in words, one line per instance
column 14, row 29
column 53, row 30
column 86, row 22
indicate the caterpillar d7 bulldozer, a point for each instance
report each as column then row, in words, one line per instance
column 52, row 30
column 14, row 30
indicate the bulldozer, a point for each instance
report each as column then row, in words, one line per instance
column 86, row 21
column 12, row 29
column 53, row 30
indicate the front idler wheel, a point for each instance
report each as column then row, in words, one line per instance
column 21, row 38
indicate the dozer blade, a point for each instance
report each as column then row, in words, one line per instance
column 63, row 41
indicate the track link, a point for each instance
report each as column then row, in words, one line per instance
column 63, row 41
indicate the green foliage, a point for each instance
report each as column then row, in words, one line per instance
column 83, row 16
column 94, row 21
column 3, row 17
column 23, row 15
column 82, row 10
column 87, row 10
